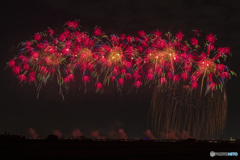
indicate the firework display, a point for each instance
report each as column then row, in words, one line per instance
column 180, row 71
column 147, row 58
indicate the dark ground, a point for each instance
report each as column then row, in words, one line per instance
column 41, row 149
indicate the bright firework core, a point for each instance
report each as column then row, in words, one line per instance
column 115, row 55
column 207, row 65
column 85, row 54
column 166, row 55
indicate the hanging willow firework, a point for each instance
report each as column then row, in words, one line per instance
column 177, row 110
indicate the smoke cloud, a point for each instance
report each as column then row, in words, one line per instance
column 113, row 134
column 33, row 133
column 76, row 133
column 120, row 134
column 57, row 133
column 123, row 135
column 95, row 134
column 149, row 134
column 185, row 135
column 170, row 135
column 173, row 135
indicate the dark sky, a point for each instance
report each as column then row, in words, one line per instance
column 108, row 111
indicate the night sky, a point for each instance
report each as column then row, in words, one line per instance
column 108, row 111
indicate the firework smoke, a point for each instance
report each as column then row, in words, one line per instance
column 113, row 134
column 95, row 134
column 170, row 135
column 57, row 133
column 185, row 135
column 123, row 135
column 33, row 133
column 120, row 134
column 76, row 133
column 149, row 134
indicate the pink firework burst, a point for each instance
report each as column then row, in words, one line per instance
column 22, row 78
column 120, row 81
column 16, row 70
column 73, row 25
column 99, row 86
column 137, row 84
column 211, row 38
column 11, row 63
column 37, row 37
column 97, row 31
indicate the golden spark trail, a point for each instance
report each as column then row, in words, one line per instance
column 202, row 81
column 174, row 111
